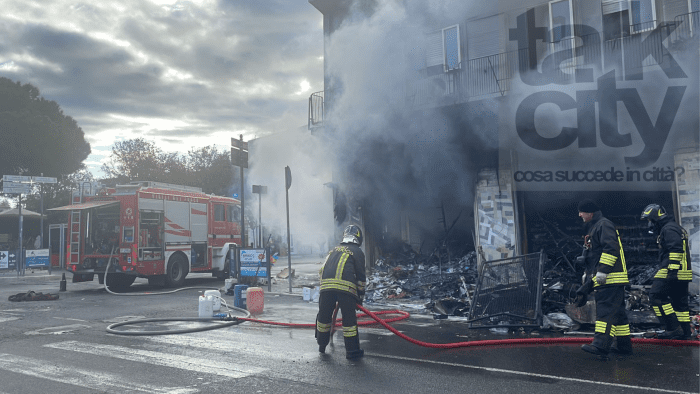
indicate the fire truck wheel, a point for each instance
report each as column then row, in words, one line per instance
column 177, row 270
column 117, row 282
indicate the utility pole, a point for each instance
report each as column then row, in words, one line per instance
column 288, row 184
column 20, row 259
column 260, row 190
column 239, row 157
column 41, row 220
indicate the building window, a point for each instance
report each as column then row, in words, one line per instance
column 561, row 30
column 219, row 213
column 616, row 21
column 233, row 213
column 560, row 20
column 444, row 50
column 451, row 47
column 642, row 15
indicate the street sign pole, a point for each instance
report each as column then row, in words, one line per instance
column 41, row 225
column 260, row 219
column 260, row 190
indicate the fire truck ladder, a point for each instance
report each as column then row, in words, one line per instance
column 75, row 218
column 75, row 237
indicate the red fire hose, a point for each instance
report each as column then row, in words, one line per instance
column 339, row 322
column 492, row 342
column 518, row 341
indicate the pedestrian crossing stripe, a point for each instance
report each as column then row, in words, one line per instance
column 203, row 365
column 223, row 342
column 96, row 381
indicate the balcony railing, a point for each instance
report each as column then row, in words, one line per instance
column 687, row 26
column 316, row 110
column 478, row 77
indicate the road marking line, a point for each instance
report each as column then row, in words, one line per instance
column 527, row 373
column 69, row 318
column 164, row 359
column 93, row 380
column 376, row 331
column 120, row 319
column 221, row 343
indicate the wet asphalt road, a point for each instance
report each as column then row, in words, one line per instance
column 62, row 347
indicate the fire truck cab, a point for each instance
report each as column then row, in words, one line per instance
column 150, row 230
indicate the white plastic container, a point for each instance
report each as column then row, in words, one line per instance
column 216, row 297
column 228, row 284
column 306, row 293
column 316, row 293
column 206, row 306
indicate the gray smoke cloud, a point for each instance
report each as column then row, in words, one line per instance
column 391, row 155
column 310, row 202
column 394, row 156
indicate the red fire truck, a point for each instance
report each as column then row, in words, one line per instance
column 149, row 230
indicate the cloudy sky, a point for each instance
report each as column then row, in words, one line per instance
column 182, row 74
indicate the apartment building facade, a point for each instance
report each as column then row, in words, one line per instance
column 549, row 102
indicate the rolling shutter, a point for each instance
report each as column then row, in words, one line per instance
column 483, row 37
column 433, row 53
column 612, row 6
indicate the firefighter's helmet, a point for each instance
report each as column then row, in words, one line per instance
column 352, row 234
column 653, row 212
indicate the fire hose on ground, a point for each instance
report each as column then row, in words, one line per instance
column 228, row 321
column 232, row 320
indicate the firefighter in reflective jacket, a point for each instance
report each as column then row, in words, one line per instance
column 669, row 290
column 343, row 283
column 606, row 274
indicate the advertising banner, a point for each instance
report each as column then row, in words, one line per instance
column 36, row 258
column 254, row 262
column 595, row 113
column 8, row 259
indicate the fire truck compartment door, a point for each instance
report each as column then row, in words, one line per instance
column 198, row 220
column 85, row 205
column 177, row 221
column 150, row 204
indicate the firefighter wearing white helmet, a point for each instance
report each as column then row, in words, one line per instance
column 669, row 290
column 343, row 280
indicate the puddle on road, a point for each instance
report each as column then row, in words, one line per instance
column 58, row 330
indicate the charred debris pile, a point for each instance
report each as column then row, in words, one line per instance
column 444, row 282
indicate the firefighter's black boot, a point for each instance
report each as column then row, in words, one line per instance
column 352, row 348
column 687, row 331
column 600, row 345
column 673, row 328
column 322, row 338
column 623, row 345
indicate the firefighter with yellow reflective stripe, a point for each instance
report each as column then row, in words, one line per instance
column 343, row 280
column 669, row 290
column 606, row 274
